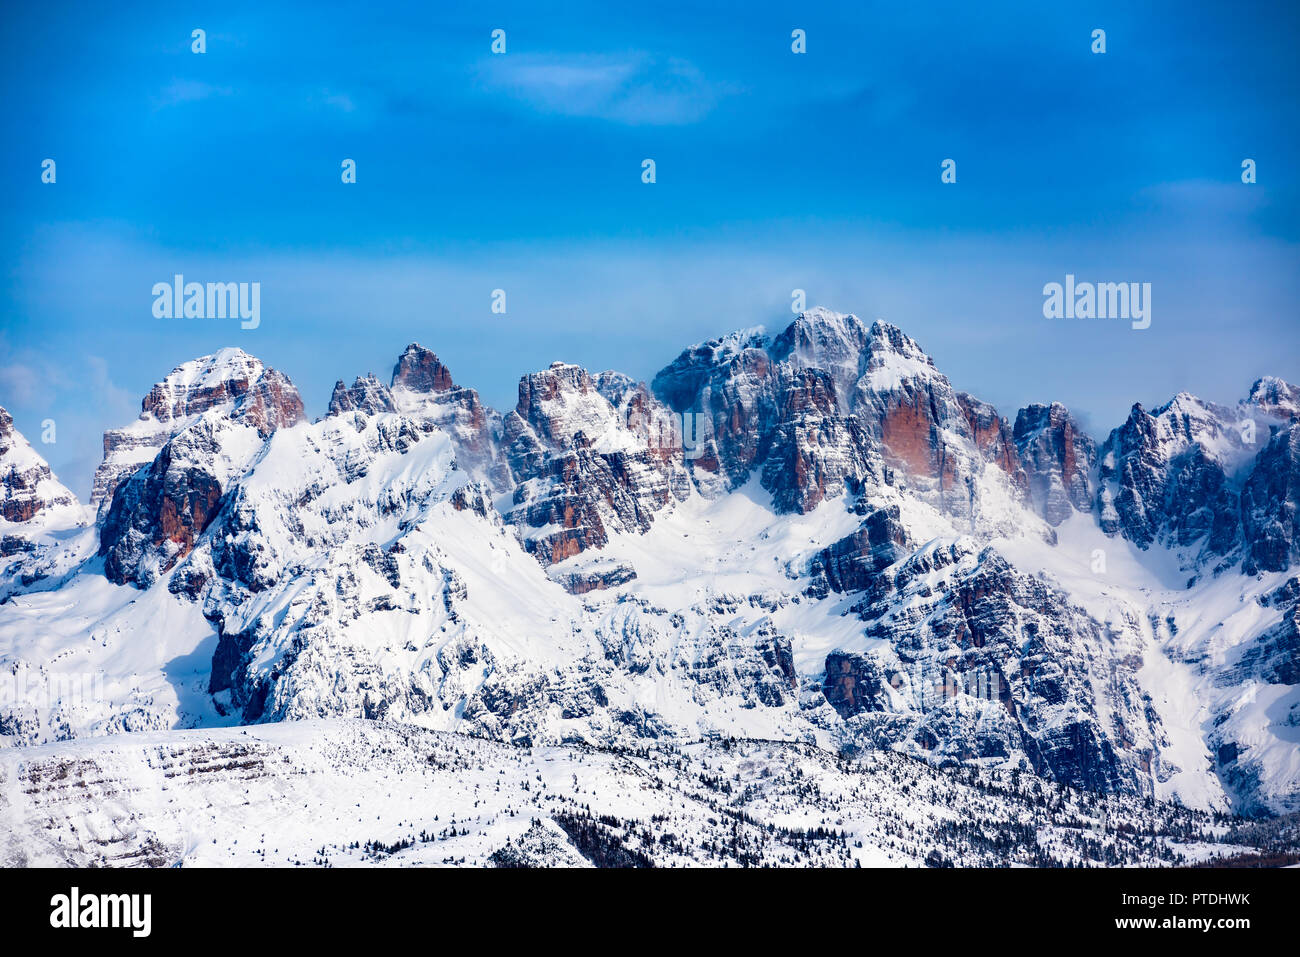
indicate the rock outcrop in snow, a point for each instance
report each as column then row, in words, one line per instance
column 831, row 404
column 1210, row 481
column 1059, row 459
column 209, row 418
column 229, row 382
column 422, row 387
column 38, row 515
column 585, row 467
column 811, row 536
column 27, row 486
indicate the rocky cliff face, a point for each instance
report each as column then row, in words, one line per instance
column 367, row 395
column 834, row 545
column 1178, row 477
column 854, row 562
column 229, row 382
column 27, row 486
column 980, row 661
column 1058, row 458
column 831, row 403
column 422, row 388
column 1275, row 398
column 210, row 417
column 813, row 452
column 1270, row 505
column 1163, row 476
column 731, row 382
column 324, row 554
column 37, row 514
column 584, row 467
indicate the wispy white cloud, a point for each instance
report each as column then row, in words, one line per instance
column 187, row 91
column 79, row 395
column 117, row 401
column 1202, row 197
column 333, row 100
column 634, row 89
column 20, row 383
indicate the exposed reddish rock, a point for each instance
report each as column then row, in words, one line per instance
column 993, row 436
column 854, row 684
column 174, row 398
column 271, row 403
column 422, row 387
column 925, row 427
column 1058, row 459
column 198, row 417
column 657, row 429
column 830, row 404
column 909, row 439
column 419, row 370
column 157, row 515
column 19, row 509
column 814, row 453
column 230, row 381
column 732, row 382
column 264, row 398
column 561, row 402
column 582, row 465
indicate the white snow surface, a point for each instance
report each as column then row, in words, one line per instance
column 327, row 513
column 348, row 793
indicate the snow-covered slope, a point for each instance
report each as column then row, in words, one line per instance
column 843, row 550
column 43, row 528
column 362, row 793
column 230, row 382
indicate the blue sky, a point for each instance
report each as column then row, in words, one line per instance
column 522, row 171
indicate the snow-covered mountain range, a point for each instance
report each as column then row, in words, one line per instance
column 810, row 537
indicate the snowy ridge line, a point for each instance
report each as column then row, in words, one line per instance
column 1121, row 618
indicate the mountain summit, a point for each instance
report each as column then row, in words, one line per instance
column 811, row 537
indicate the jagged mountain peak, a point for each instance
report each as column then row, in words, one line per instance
column 561, row 401
column 229, row 382
column 844, row 528
column 822, row 339
column 229, row 377
column 422, row 387
column 1174, row 477
column 1187, row 404
column 27, row 486
column 419, row 370
column 367, row 395
column 894, row 357
column 1058, row 457
column 1171, row 428
column 39, row 518
column 738, row 340
column 556, row 379
column 1277, row 397
column 200, row 383
column 11, row 439
column 226, row 363
column 821, row 325
column 1038, row 415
